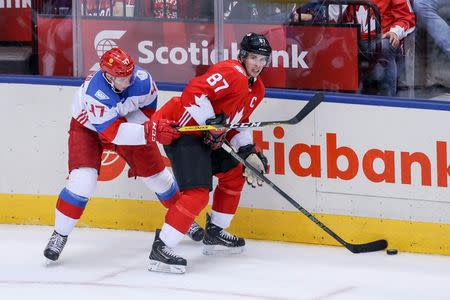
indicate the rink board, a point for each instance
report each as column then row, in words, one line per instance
column 366, row 169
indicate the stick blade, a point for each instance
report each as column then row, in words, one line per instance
column 368, row 247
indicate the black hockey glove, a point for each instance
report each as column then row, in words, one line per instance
column 215, row 138
column 254, row 156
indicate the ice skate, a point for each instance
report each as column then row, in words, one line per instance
column 164, row 259
column 196, row 233
column 54, row 247
column 218, row 241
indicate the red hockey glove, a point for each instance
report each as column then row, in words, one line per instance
column 161, row 131
column 215, row 138
column 258, row 160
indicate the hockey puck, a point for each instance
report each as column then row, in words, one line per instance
column 391, row 251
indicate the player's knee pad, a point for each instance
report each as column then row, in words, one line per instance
column 193, row 201
column 161, row 182
column 82, row 182
column 165, row 187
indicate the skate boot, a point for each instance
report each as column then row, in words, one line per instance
column 55, row 246
column 218, row 241
column 164, row 259
column 196, row 233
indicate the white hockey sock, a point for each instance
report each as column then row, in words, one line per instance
column 170, row 236
column 64, row 224
column 221, row 219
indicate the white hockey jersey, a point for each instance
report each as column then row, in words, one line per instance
column 116, row 117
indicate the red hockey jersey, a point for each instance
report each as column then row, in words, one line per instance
column 223, row 89
column 396, row 16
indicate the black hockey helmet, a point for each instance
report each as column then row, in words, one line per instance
column 254, row 43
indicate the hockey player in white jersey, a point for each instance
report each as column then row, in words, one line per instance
column 112, row 109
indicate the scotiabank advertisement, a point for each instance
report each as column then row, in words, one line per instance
column 342, row 159
column 304, row 57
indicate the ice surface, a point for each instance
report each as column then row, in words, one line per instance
column 111, row 264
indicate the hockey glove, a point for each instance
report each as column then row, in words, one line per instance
column 256, row 158
column 215, row 138
column 161, row 131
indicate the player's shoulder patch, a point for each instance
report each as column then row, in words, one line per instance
column 99, row 94
column 142, row 74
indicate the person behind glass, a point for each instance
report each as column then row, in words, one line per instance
column 428, row 13
column 257, row 11
column 397, row 21
column 227, row 93
column 161, row 9
column 57, row 7
column 106, row 8
column 113, row 110
column 97, row 7
column 310, row 12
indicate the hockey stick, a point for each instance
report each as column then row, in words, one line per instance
column 355, row 248
column 309, row 107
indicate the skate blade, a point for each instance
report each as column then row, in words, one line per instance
column 157, row 266
column 221, row 250
column 50, row 263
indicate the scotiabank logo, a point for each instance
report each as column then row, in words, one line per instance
column 357, row 162
column 105, row 40
column 112, row 165
column 195, row 54
column 203, row 55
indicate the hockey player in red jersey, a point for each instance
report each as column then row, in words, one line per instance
column 113, row 109
column 227, row 93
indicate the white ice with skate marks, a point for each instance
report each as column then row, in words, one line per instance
column 111, row 264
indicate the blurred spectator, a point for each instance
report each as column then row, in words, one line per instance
column 97, row 7
column 57, row 7
column 175, row 9
column 429, row 15
column 397, row 21
column 124, row 8
column 312, row 12
column 258, row 11
column 164, row 9
column 239, row 10
column 117, row 8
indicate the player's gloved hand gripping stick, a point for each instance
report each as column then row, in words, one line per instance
column 215, row 137
column 254, row 156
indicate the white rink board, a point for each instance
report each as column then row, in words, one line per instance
column 34, row 155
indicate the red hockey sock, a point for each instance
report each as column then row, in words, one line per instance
column 189, row 205
column 228, row 192
column 225, row 200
